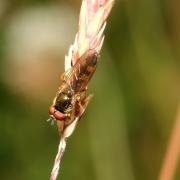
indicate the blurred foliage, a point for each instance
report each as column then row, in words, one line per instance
column 125, row 131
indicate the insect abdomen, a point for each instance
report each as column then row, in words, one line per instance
column 84, row 69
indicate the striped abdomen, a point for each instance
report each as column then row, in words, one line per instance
column 82, row 71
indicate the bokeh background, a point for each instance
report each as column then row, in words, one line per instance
column 126, row 128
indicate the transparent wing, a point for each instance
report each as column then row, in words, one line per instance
column 79, row 75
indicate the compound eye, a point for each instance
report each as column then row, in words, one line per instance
column 51, row 110
column 59, row 116
column 63, row 102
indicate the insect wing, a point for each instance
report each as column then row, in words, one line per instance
column 80, row 74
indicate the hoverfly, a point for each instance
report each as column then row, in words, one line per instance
column 72, row 97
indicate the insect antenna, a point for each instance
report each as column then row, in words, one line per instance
column 51, row 120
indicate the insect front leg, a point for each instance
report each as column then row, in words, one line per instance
column 83, row 104
column 61, row 126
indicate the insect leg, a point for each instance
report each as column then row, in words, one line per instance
column 84, row 104
column 61, row 126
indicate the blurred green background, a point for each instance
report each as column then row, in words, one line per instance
column 126, row 128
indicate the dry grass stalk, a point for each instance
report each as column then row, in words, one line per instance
column 173, row 152
column 92, row 22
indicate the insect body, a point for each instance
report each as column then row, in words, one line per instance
column 72, row 98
